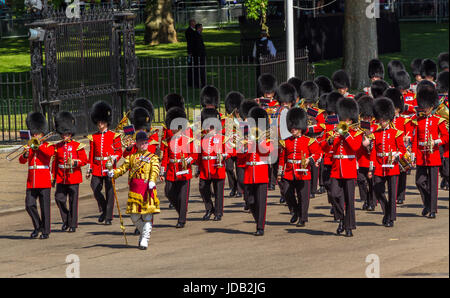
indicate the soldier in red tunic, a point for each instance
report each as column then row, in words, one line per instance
column 378, row 87
column 105, row 145
column 443, row 61
column 211, row 164
column 267, row 86
column 415, row 70
column 344, row 144
column 388, row 147
column 430, row 133
column 442, row 88
column 375, row 72
column 428, row 70
column 153, row 140
column 297, row 156
column 176, row 165
column 401, row 82
column 341, row 83
column 69, row 158
column 256, row 176
column 39, row 177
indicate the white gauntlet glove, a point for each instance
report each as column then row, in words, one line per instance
column 151, row 185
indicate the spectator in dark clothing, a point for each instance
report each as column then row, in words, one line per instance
column 199, row 57
column 189, row 33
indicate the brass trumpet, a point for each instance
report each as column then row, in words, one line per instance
column 33, row 143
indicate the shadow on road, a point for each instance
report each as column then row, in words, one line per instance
column 310, row 232
column 226, row 231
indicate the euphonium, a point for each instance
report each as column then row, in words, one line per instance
column 442, row 111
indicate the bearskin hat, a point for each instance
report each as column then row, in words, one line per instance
column 340, row 79
column 257, row 113
column 176, row 113
column 401, row 80
column 322, row 103
column 378, row 87
column 36, row 123
column 209, row 96
column 141, row 136
column 286, row 93
column 208, row 114
column 309, row 91
column 245, row 107
column 428, row 68
column 415, row 66
column 427, row 96
column 297, row 118
column 443, row 61
column 347, row 108
column 376, row 69
column 365, row 104
column 173, row 100
column 359, row 95
column 65, row 123
column 140, row 118
column 101, row 111
column 397, row 98
column 442, row 82
column 331, row 101
column 233, row 101
column 146, row 104
column 393, row 67
column 383, row 109
column 324, row 84
column 267, row 83
column 296, row 82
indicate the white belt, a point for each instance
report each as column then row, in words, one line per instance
column 385, row 154
column 101, row 158
column 182, row 173
column 387, row 166
column 35, row 167
column 256, row 163
column 294, row 161
column 343, row 156
column 209, row 157
column 175, row 160
column 301, row 170
column 65, row 167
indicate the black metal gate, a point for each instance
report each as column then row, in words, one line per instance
column 79, row 60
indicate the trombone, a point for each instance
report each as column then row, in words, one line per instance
column 32, row 143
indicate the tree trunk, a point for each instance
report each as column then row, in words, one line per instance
column 159, row 25
column 360, row 40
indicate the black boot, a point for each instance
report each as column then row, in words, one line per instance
column 340, row 228
column 232, row 193
column 101, row 218
column 34, row 234
column 294, row 218
column 300, row 223
column 425, row 211
column 208, row 214
column 432, row 215
column 282, row 200
column 259, row 233
column 136, row 231
column 348, row 233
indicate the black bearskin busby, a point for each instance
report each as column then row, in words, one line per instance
column 297, row 118
column 36, row 123
column 443, row 61
column 322, row 103
column 140, row 118
column 296, row 82
column 365, row 104
column 394, row 66
column 209, row 96
column 257, row 113
column 376, row 69
column 309, row 91
column 176, row 113
column 347, row 108
column 267, row 83
column 246, row 106
column 401, row 80
column 383, row 109
column 233, row 101
column 65, row 123
column 397, row 98
column 427, row 96
column 415, row 66
column 428, row 68
column 359, row 95
column 101, row 111
column 141, row 136
column 286, row 94
column 146, row 104
column 331, row 101
column 442, row 82
column 207, row 114
column 378, row 87
column 324, row 84
column 340, row 79
column 173, row 100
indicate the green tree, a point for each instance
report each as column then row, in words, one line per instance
column 159, row 24
column 256, row 10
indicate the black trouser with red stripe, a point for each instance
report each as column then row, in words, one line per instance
column 314, row 178
column 445, row 168
column 40, row 223
column 342, row 193
column 401, row 189
column 69, row 215
column 389, row 205
column 301, row 204
column 106, row 203
column 427, row 181
column 205, row 192
column 178, row 195
column 234, row 181
column 365, row 186
column 256, row 195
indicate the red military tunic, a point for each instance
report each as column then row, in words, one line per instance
column 328, row 153
column 256, row 162
column 179, row 146
column 344, row 148
column 212, row 145
column 103, row 145
column 363, row 154
column 291, row 155
column 63, row 172
column 39, row 175
column 426, row 127
column 319, row 126
column 388, row 143
column 410, row 100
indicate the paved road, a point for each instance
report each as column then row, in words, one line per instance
column 415, row 247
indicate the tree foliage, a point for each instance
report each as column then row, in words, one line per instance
column 256, row 10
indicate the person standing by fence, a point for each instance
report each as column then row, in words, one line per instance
column 199, row 57
column 262, row 47
column 189, row 33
